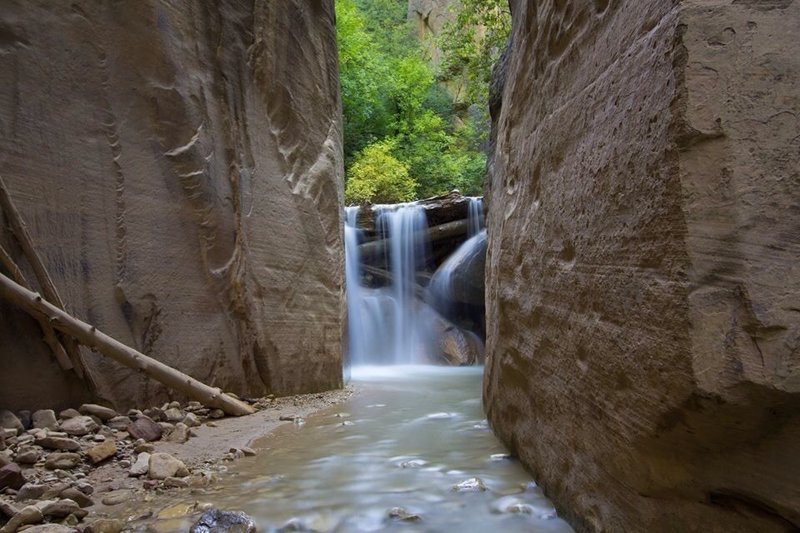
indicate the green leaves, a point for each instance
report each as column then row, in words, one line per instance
column 404, row 137
column 378, row 177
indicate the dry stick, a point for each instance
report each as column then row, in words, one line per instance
column 46, row 283
column 90, row 336
column 47, row 330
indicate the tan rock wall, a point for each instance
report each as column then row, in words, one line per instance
column 643, row 270
column 179, row 166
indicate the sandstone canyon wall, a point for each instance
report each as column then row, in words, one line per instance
column 179, row 167
column 643, row 276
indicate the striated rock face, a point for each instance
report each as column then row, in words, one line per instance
column 643, row 272
column 179, row 168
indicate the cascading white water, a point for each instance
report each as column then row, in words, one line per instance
column 475, row 215
column 383, row 327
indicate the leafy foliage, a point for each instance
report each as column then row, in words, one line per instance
column 472, row 43
column 378, row 177
column 398, row 118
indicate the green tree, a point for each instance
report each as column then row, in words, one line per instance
column 378, row 177
column 472, row 42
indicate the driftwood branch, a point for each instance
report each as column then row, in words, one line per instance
column 90, row 336
column 47, row 331
column 436, row 233
column 20, row 231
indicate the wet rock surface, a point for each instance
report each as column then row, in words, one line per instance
column 216, row 521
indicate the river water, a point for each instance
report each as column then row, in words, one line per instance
column 407, row 438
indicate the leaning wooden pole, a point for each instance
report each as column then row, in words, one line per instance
column 90, row 336
column 25, row 241
column 47, row 330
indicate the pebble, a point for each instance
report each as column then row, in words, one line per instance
column 120, row 423
column 11, row 477
column 62, row 461
column 173, row 414
column 31, row 491
column 402, row 514
column 470, row 485
column 179, row 434
column 28, row 455
column 214, row 520
column 102, row 451
column 44, row 419
column 59, row 443
column 141, row 466
column 61, row 508
column 77, row 496
column 9, row 420
column 101, row 412
column 27, row 515
column 216, row 413
column 163, row 465
column 68, row 413
column 145, row 428
column 79, row 425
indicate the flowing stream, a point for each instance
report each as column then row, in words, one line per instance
column 413, row 437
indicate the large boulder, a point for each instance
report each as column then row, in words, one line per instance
column 642, row 271
column 183, row 187
column 460, row 279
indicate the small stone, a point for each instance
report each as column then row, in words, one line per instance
column 99, row 437
column 61, row 509
column 27, row 515
column 103, row 413
column 212, row 424
column 216, row 413
column 22, row 440
column 68, row 413
column 166, row 427
column 249, row 452
column 28, row 455
column 9, row 420
column 104, row 525
column 199, row 481
column 25, row 418
column 401, row 514
column 125, row 463
column 11, row 477
column 144, row 447
column 179, row 434
column 77, row 496
column 102, row 451
column 163, row 465
column 176, row 483
column 193, row 406
column 85, row 488
column 191, row 420
column 117, row 497
column 214, row 520
column 62, row 461
column 145, row 428
column 141, row 466
column 31, row 491
column 7, row 510
column 59, row 443
column 470, row 485
column 79, row 425
column 155, row 414
column 4, row 460
column 8, row 434
column 173, row 414
column 120, row 423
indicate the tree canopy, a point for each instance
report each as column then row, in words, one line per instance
column 400, row 122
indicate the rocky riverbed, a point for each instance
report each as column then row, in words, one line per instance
column 73, row 470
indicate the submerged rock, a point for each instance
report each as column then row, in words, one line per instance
column 216, row 521
column 474, row 484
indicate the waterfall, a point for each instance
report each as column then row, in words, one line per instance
column 382, row 325
column 475, row 215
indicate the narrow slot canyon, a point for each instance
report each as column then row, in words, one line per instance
column 399, row 265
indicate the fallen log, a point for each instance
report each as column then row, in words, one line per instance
column 90, row 336
column 47, row 331
column 25, row 241
column 373, row 249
